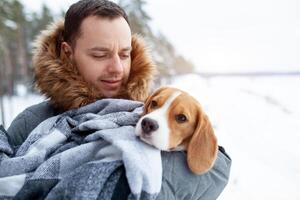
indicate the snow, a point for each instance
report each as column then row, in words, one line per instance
column 257, row 121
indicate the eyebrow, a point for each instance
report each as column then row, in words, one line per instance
column 107, row 49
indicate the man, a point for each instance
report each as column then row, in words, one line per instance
column 93, row 55
column 86, row 58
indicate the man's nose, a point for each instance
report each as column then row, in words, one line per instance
column 115, row 65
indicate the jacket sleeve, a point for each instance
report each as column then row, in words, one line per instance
column 20, row 127
column 180, row 183
column 26, row 121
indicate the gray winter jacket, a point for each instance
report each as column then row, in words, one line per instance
column 178, row 181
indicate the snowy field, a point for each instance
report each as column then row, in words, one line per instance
column 257, row 120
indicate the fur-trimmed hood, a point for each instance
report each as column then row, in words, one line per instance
column 60, row 81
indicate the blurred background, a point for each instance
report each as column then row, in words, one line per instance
column 240, row 59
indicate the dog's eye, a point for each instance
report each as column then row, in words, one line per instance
column 180, row 118
column 153, row 104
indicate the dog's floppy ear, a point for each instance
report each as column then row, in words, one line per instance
column 202, row 149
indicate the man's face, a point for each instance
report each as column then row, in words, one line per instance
column 102, row 53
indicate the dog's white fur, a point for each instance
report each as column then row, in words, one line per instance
column 160, row 137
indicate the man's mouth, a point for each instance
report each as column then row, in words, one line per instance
column 111, row 83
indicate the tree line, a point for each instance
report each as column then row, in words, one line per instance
column 18, row 30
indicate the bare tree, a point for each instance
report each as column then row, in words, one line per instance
column 1, row 102
column 1, row 87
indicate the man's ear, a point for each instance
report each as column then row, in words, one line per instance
column 67, row 49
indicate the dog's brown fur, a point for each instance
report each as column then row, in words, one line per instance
column 59, row 80
column 196, row 135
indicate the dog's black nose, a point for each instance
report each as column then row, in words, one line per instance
column 149, row 125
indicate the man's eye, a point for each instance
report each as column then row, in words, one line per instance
column 124, row 56
column 181, row 118
column 153, row 104
column 98, row 56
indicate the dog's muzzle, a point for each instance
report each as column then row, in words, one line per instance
column 149, row 125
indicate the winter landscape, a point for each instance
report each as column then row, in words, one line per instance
column 256, row 119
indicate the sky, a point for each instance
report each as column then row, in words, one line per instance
column 224, row 36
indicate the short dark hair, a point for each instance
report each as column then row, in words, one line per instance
column 85, row 8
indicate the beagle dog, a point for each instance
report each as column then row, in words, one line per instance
column 174, row 121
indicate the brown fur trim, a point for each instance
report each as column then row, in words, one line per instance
column 142, row 72
column 59, row 80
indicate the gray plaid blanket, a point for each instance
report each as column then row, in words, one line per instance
column 78, row 154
